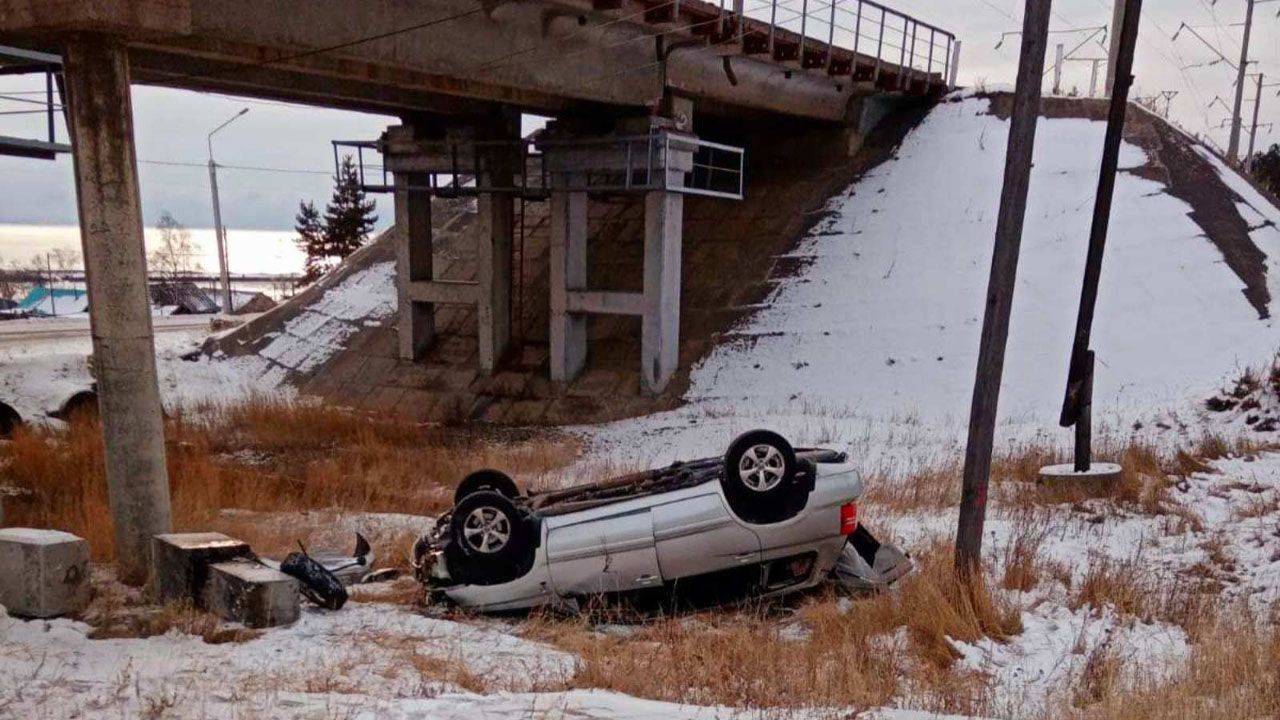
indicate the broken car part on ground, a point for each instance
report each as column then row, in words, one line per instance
column 764, row 518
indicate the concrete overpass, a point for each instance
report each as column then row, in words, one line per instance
column 624, row 80
column 803, row 58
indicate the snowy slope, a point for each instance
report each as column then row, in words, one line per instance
column 887, row 316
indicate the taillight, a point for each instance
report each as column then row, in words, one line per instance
column 848, row 518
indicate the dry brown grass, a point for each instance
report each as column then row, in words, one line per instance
column 857, row 656
column 1233, row 672
column 1133, row 588
column 267, row 456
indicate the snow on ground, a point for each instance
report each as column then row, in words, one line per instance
column 37, row 376
column 870, row 348
column 50, row 669
column 1055, row 645
column 307, row 341
column 873, row 344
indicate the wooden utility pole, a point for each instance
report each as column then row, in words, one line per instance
column 1078, row 402
column 1004, row 270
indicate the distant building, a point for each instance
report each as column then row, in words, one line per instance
column 181, row 298
column 244, row 302
column 48, row 302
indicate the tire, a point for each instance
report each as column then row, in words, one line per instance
column 492, row 480
column 759, row 477
column 491, row 542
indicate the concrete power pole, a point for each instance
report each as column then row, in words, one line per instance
column 219, row 231
column 1253, row 133
column 1233, row 145
column 1057, row 69
column 1117, row 22
column 1004, row 269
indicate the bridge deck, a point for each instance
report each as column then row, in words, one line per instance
column 803, row 58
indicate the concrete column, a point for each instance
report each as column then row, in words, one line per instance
column 660, row 333
column 568, row 272
column 493, row 272
column 101, row 125
column 417, row 325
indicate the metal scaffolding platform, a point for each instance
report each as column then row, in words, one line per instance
column 16, row 61
column 659, row 161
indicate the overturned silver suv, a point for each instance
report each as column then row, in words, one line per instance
column 764, row 519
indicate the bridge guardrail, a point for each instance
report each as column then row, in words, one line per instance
column 809, row 31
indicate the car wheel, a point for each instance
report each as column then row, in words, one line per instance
column 492, row 480
column 491, row 541
column 759, row 475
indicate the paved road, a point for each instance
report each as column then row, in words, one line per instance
column 30, row 331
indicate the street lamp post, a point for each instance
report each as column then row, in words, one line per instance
column 218, row 230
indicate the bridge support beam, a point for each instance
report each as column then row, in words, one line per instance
column 100, row 117
column 415, row 157
column 658, row 306
column 493, row 274
column 660, row 326
column 417, row 323
column 568, row 275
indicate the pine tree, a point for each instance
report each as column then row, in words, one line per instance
column 311, row 240
column 348, row 218
column 1266, row 169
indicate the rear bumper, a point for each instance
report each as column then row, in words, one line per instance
column 866, row 564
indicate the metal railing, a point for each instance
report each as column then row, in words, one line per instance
column 812, row 32
column 643, row 163
column 625, row 164
column 45, row 106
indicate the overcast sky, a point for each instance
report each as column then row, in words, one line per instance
column 171, row 125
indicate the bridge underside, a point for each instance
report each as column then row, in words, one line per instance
column 464, row 56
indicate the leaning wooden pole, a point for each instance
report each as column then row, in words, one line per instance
column 1078, row 401
column 1004, row 270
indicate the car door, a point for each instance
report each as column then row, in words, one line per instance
column 612, row 553
column 698, row 534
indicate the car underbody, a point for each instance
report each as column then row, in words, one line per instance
column 760, row 521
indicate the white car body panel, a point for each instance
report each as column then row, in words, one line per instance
column 651, row 540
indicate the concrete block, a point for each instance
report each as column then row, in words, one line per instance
column 43, row 573
column 180, row 563
column 254, row 595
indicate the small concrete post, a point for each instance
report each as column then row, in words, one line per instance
column 413, row 263
column 568, row 272
column 660, row 332
column 100, row 117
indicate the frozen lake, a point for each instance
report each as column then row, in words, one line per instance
column 249, row 251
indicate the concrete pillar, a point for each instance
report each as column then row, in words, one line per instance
column 568, row 272
column 493, row 272
column 101, row 125
column 660, row 332
column 417, row 323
